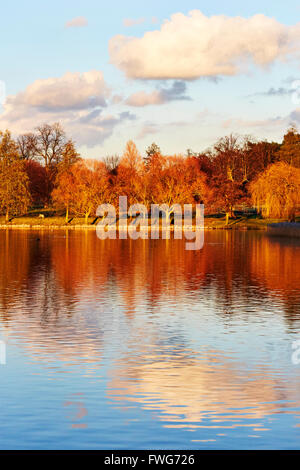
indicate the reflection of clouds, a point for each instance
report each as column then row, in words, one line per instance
column 141, row 312
column 57, row 296
column 185, row 392
column 65, row 337
column 78, row 412
column 273, row 265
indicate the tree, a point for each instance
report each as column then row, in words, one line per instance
column 112, row 162
column 128, row 182
column 290, row 148
column 27, row 146
column 227, row 194
column 259, row 156
column 8, row 147
column 205, row 163
column 151, row 151
column 131, row 158
column 276, row 192
column 50, row 143
column 65, row 192
column 129, row 174
column 83, row 188
column 64, row 189
column 178, row 181
column 37, row 181
column 14, row 182
column 227, row 174
column 69, row 156
column 49, row 146
column 227, row 157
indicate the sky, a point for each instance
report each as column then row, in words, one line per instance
column 181, row 74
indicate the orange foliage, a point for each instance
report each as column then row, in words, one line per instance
column 177, row 181
column 276, row 192
column 83, row 187
column 132, row 159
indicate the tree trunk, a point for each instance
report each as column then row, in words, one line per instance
column 229, row 174
column 86, row 218
column 67, row 214
column 227, row 217
column 292, row 216
column 7, row 216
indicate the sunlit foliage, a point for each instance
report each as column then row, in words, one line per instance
column 276, row 192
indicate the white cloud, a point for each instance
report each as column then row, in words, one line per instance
column 78, row 22
column 92, row 129
column 164, row 95
column 129, row 22
column 142, row 98
column 71, row 91
column 75, row 100
column 193, row 46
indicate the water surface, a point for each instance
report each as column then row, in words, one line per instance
column 121, row 344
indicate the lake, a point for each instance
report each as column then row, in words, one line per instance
column 123, row 344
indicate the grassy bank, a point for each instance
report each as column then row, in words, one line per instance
column 56, row 219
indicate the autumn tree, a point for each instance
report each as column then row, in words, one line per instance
column 69, row 156
column 14, row 182
column 128, row 182
column 65, row 191
column 131, row 158
column 83, row 188
column 129, row 174
column 227, row 194
column 37, row 181
column 65, row 184
column 8, row 148
column 276, row 192
column 290, row 148
column 151, row 151
column 205, row 162
column 179, row 181
column 261, row 155
column 227, row 157
column 111, row 163
column 46, row 145
column 227, row 174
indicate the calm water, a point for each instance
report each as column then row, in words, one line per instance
column 141, row 344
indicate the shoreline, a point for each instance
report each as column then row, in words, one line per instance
column 94, row 227
column 272, row 227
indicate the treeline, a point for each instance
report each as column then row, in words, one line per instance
column 44, row 169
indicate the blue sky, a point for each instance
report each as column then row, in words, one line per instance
column 177, row 112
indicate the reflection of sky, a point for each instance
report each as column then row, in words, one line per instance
column 167, row 360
